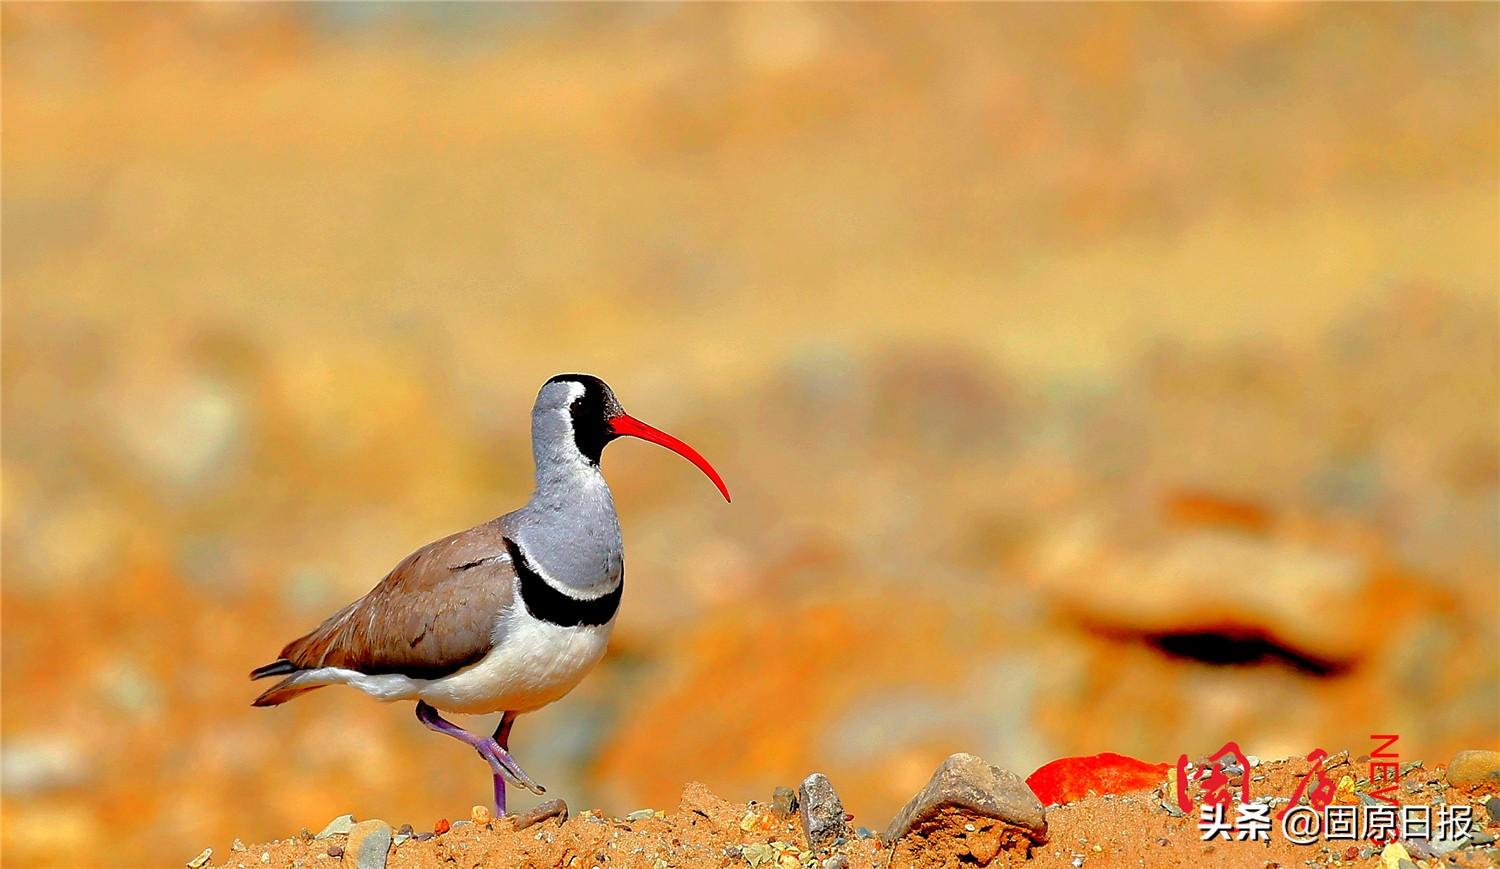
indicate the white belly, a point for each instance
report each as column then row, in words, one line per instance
column 535, row 663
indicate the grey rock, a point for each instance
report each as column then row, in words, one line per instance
column 1480, row 839
column 783, row 802
column 369, row 843
column 837, row 861
column 338, row 826
column 821, row 811
column 966, row 782
column 1492, row 805
column 1427, row 849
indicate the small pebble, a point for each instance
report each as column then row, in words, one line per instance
column 783, row 801
column 336, row 851
column 1392, row 855
column 340, row 825
column 442, row 826
column 480, row 814
column 202, row 858
column 461, row 822
column 1492, row 805
column 424, row 837
column 236, row 845
column 640, row 815
column 265, row 856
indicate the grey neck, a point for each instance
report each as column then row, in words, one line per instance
column 569, row 530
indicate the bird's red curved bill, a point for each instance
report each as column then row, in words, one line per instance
column 629, row 425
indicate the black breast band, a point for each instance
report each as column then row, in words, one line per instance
column 550, row 605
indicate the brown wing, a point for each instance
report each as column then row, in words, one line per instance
column 435, row 613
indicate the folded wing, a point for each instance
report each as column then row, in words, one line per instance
column 432, row 615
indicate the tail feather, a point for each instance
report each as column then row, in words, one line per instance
column 280, row 667
column 283, row 691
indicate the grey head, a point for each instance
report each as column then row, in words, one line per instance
column 569, row 528
column 577, row 415
column 570, row 420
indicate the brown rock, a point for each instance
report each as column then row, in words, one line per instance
column 1476, row 767
column 969, row 811
column 699, row 800
column 783, row 802
column 553, row 808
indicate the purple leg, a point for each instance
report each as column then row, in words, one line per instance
column 491, row 749
column 501, row 739
column 502, row 732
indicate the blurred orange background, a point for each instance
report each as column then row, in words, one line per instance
column 1088, row 378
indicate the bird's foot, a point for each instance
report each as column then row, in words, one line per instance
column 503, row 764
column 553, row 808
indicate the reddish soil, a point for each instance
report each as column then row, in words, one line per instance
column 704, row 830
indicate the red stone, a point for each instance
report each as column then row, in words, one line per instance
column 1072, row 778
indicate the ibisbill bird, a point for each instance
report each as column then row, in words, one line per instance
column 507, row 616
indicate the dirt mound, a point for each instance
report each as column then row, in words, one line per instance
column 1142, row 828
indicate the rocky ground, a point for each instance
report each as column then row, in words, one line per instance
column 969, row 814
